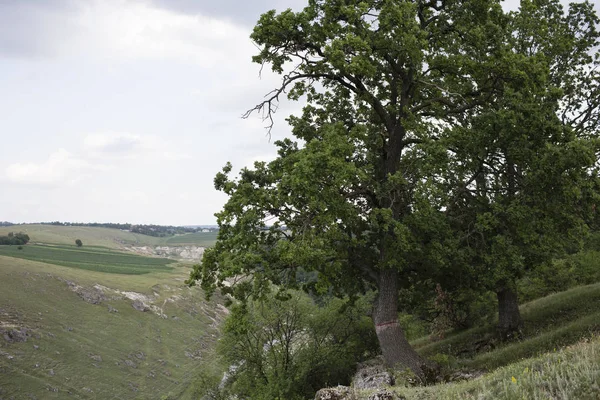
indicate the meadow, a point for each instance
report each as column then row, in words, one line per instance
column 55, row 345
column 204, row 239
column 89, row 258
column 106, row 237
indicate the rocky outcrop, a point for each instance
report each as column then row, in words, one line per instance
column 336, row 393
column 15, row 335
column 372, row 375
column 191, row 253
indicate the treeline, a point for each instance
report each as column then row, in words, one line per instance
column 149, row 230
column 6, row 223
column 14, row 238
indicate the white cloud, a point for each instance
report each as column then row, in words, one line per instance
column 123, row 30
column 130, row 146
column 60, row 168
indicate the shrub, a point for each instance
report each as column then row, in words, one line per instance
column 290, row 349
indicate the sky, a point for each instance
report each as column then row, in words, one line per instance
column 124, row 110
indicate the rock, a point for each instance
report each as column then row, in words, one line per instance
column 337, row 393
column 385, row 395
column 130, row 363
column 140, row 306
column 96, row 358
column 51, row 372
column 372, row 376
column 111, row 309
column 91, row 295
column 140, row 355
column 35, row 346
column 16, row 335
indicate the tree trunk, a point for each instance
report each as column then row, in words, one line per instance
column 509, row 316
column 394, row 346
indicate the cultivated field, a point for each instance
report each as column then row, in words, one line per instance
column 90, row 258
column 106, row 237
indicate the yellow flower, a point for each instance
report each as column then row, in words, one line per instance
column 514, row 380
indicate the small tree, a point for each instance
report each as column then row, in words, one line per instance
column 79, row 243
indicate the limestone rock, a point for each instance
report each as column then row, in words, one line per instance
column 372, row 375
column 336, row 393
column 385, row 395
column 140, row 306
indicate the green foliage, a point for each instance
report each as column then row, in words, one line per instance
column 437, row 142
column 96, row 259
column 78, row 242
column 288, row 349
column 582, row 268
column 553, row 321
column 14, row 239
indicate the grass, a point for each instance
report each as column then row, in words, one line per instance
column 556, row 320
column 80, row 350
column 558, row 356
column 569, row 373
column 89, row 258
column 105, row 237
column 204, row 239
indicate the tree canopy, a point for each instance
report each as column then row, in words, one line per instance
column 403, row 100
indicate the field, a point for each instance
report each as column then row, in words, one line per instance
column 204, row 239
column 89, row 258
column 91, row 322
column 106, row 237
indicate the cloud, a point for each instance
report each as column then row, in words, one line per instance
column 116, row 31
column 66, row 168
column 131, row 147
column 60, row 168
column 246, row 12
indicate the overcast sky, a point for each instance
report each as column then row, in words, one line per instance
column 124, row 110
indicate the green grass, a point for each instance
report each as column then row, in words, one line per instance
column 569, row 373
column 89, row 258
column 105, row 237
column 67, row 334
column 556, row 320
column 558, row 356
column 204, row 239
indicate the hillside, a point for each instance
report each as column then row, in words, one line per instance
column 106, row 237
column 558, row 356
column 102, row 325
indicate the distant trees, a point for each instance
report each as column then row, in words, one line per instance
column 78, row 242
column 14, row 239
column 149, row 230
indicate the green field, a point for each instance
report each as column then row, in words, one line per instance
column 204, row 239
column 106, row 237
column 89, row 258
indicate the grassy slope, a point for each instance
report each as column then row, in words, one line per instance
column 105, row 237
column 67, row 334
column 569, row 373
column 558, row 357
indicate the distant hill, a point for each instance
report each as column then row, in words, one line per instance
column 106, row 237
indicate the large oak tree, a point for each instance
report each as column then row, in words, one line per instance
column 359, row 196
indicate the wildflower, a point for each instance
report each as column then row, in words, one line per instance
column 514, row 380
